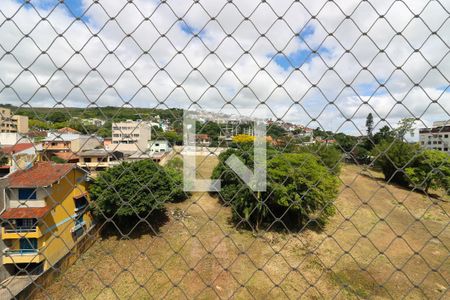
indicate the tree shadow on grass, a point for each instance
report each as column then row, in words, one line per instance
column 404, row 188
column 134, row 227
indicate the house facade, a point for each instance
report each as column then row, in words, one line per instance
column 46, row 211
column 436, row 137
column 160, row 146
column 96, row 160
column 20, row 156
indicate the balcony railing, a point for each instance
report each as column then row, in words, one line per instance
column 21, row 252
column 20, row 229
column 18, row 232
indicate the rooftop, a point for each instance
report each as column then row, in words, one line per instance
column 16, row 148
column 25, row 212
column 40, row 175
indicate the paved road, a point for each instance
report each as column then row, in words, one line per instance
column 14, row 284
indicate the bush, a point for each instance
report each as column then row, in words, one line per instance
column 329, row 156
column 134, row 189
column 299, row 189
column 431, row 170
column 394, row 157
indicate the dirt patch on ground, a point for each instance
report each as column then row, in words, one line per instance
column 383, row 242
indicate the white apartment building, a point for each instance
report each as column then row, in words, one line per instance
column 131, row 136
column 437, row 137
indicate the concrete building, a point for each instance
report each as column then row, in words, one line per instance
column 131, row 136
column 160, row 146
column 436, row 137
column 12, row 123
column 45, row 214
column 13, row 138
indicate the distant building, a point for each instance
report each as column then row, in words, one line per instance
column 160, row 146
column 68, row 130
column 20, row 156
column 12, row 123
column 131, row 136
column 202, row 140
column 96, row 160
column 93, row 121
column 46, row 213
column 12, row 138
column 437, row 137
column 70, row 142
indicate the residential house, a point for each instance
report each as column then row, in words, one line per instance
column 436, row 137
column 202, row 140
column 45, row 214
column 12, row 123
column 93, row 121
column 20, row 156
column 68, row 142
column 131, row 136
column 96, row 160
column 160, row 146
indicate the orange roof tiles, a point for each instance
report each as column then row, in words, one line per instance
column 25, row 212
column 16, row 148
column 40, row 175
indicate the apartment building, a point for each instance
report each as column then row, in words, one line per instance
column 131, row 136
column 45, row 214
column 436, row 137
column 68, row 142
column 12, row 123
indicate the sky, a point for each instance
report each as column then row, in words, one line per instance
column 304, row 62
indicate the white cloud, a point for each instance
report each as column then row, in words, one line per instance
column 139, row 53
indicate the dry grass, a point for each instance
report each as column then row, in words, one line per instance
column 198, row 253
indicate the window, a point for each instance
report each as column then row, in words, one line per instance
column 446, row 149
column 446, row 136
column 25, row 223
column 27, row 194
column 87, row 160
column 28, row 245
column 80, row 203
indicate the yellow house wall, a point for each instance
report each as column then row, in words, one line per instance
column 58, row 239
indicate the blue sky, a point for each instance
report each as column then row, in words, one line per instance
column 73, row 7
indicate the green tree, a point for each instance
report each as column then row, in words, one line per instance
column 393, row 158
column 384, row 134
column 431, row 170
column 58, row 117
column 173, row 137
column 405, row 126
column 134, row 189
column 328, row 155
column 300, row 190
column 369, row 124
column 276, row 131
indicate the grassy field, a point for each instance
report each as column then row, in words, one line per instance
column 383, row 242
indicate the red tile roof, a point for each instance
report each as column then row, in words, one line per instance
column 67, row 156
column 25, row 212
column 16, row 148
column 67, row 130
column 40, row 175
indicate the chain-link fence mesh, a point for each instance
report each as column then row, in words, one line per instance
column 96, row 203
